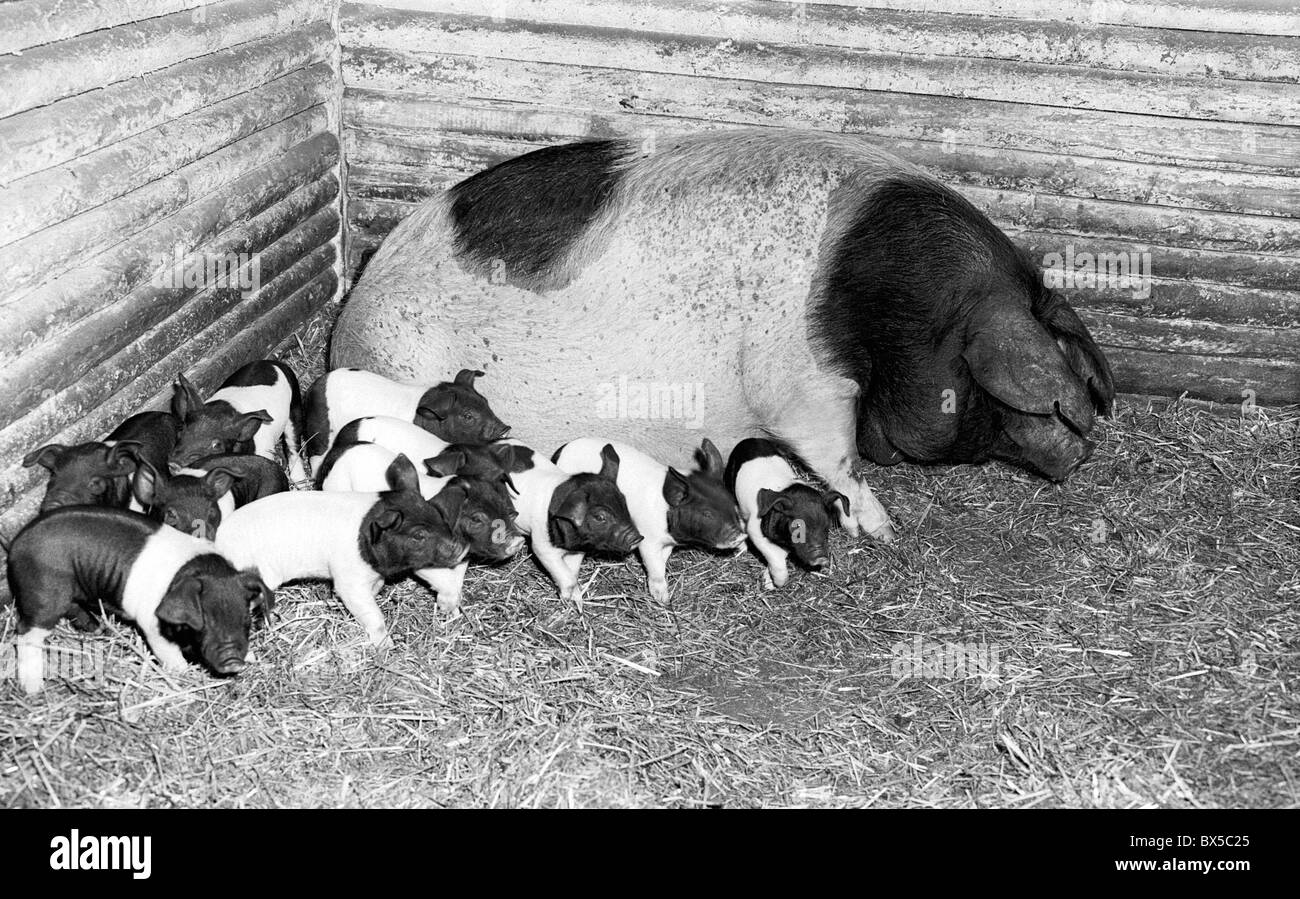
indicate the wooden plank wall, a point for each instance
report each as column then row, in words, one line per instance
column 139, row 139
column 1167, row 127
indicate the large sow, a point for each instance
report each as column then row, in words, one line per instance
column 807, row 287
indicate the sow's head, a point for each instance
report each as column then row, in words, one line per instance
column 962, row 353
column 1044, row 380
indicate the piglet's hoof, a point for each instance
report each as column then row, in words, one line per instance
column 450, row 605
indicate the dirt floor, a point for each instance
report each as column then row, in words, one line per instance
column 1129, row 638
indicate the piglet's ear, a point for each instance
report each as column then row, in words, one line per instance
column 710, row 459
column 836, row 502
column 123, row 457
column 185, row 398
column 260, row 597
column 145, row 484
column 182, row 604
column 401, row 475
column 437, row 404
column 384, row 521
column 609, row 462
column 676, row 488
column 445, row 464
column 249, row 424
column 769, row 500
column 1014, row 358
column 46, row 457
column 218, row 481
column 465, row 377
column 511, row 458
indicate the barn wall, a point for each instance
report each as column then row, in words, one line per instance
column 139, row 143
column 1134, row 126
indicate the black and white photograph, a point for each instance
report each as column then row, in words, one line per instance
column 650, row 405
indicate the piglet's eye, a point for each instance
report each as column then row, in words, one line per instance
column 216, row 445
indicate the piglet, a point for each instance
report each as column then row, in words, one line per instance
column 484, row 517
column 357, row 540
column 668, row 507
column 254, row 409
column 783, row 515
column 99, row 474
column 195, row 499
column 87, row 474
column 392, row 433
column 150, row 436
column 568, row 515
column 453, row 410
column 177, row 589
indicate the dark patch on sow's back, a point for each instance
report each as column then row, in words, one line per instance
column 527, row 212
column 915, row 259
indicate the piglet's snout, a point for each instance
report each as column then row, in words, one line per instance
column 628, row 539
column 885, row 533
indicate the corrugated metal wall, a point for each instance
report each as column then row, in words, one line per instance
column 139, row 142
column 1119, row 126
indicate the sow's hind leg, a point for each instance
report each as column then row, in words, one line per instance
column 818, row 423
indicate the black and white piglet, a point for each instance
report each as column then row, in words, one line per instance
column 668, row 507
column 195, row 499
column 357, row 540
column 568, row 515
column 453, row 410
column 177, row 589
column 485, row 516
column 402, row 437
column 783, row 515
column 99, row 474
column 253, row 410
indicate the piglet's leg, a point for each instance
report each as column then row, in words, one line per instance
column 30, row 652
column 774, row 555
column 448, row 583
column 169, row 654
column 818, row 423
column 574, row 561
column 358, row 596
column 655, row 558
column 553, row 560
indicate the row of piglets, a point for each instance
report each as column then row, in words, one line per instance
column 375, row 517
column 127, row 523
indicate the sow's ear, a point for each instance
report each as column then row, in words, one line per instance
column 46, row 457
column 181, row 604
column 185, row 399
column 1012, row 357
column 1083, row 354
